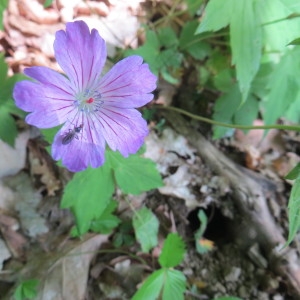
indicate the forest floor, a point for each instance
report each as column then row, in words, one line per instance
column 238, row 182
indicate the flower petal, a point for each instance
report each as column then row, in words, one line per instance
column 86, row 148
column 80, row 54
column 128, row 84
column 49, row 99
column 123, row 129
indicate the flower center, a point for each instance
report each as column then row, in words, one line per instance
column 88, row 101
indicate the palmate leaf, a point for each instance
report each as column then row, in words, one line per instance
column 88, row 195
column 245, row 35
column 26, row 289
column 169, row 283
column 294, row 211
column 217, row 15
column 134, row 174
column 146, row 226
column 246, row 43
column 283, row 86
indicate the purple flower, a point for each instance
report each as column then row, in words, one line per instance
column 94, row 110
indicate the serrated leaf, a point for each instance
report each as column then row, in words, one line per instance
column 294, row 211
column 170, row 282
column 191, row 43
column 172, row 252
column 149, row 51
column 194, row 6
column 283, row 86
column 146, row 226
column 246, row 43
column 294, row 173
column 279, row 29
column 107, row 221
column 134, row 174
column 217, row 15
column 175, row 285
column 88, row 194
column 167, row 37
column 152, row 286
column 248, row 112
column 26, row 290
column 161, row 53
column 225, row 109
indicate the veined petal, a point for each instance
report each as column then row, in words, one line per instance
column 128, row 84
column 80, row 53
column 49, row 99
column 50, row 78
column 86, row 147
column 123, row 129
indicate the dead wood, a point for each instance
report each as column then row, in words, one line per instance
column 249, row 194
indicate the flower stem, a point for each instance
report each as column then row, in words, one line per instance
column 236, row 126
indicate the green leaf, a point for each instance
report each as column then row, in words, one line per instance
column 191, row 43
column 47, row 3
column 149, row 51
column 202, row 245
column 8, row 129
column 194, row 6
column 3, row 6
column 248, row 112
column 146, row 226
column 203, row 224
column 283, row 87
column 175, row 285
column 26, row 290
column 152, row 286
column 49, row 133
column 294, row 211
column 217, row 15
column 225, row 109
column 172, row 252
column 279, row 29
column 167, row 37
column 134, row 174
column 294, row 173
column 107, row 221
column 295, row 42
column 172, row 283
column 161, row 53
column 246, row 43
column 227, row 298
column 88, row 194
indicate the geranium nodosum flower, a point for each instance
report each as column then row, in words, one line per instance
column 94, row 110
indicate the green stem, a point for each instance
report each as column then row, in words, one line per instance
column 235, row 126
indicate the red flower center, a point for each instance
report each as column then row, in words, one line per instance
column 90, row 100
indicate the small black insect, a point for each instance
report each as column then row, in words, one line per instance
column 71, row 134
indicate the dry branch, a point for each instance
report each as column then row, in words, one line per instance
column 249, row 192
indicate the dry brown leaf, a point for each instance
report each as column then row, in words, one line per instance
column 15, row 241
column 66, row 279
column 35, row 11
